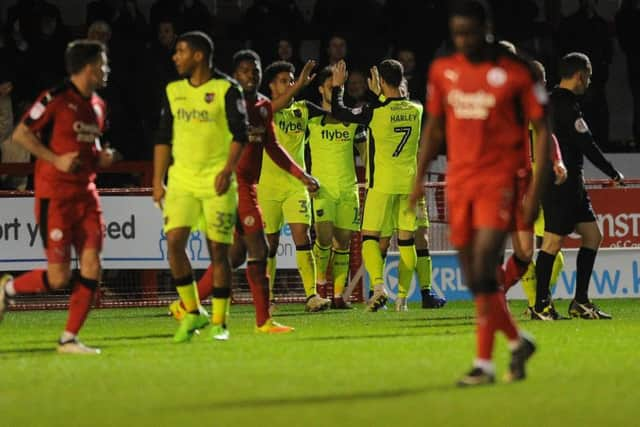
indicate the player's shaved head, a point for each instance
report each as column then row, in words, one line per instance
column 81, row 53
column 468, row 24
column 199, row 42
column 391, row 71
column 245, row 55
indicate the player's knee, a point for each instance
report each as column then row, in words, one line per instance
column 59, row 279
column 237, row 259
column 219, row 253
column 525, row 254
column 175, row 243
column 342, row 245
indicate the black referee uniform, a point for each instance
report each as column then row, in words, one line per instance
column 568, row 204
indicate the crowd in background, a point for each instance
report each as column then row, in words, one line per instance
column 33, row 38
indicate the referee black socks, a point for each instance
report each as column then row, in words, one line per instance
column 544, row 266
column 584, row 265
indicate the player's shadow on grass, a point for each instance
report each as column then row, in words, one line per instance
column 432, row 319
column 315, row 400
column 382, row 336
column 32, row 350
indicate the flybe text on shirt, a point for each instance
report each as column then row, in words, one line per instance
column 194, row 115
column 290, row 126
column 335, row 134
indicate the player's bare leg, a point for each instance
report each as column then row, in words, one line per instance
column 256, row 250
column 340, row 266
column 307, row 267
column 183, row 280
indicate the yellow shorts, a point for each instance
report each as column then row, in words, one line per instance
column 422, row 219
column 343, row 212
column 384, row 212
column 215, row 214
column 293, row 207
column 538, row 226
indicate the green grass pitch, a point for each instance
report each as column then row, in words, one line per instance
column 337, row 369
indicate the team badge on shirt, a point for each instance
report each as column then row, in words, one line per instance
column 249, row 221
column 208, row 97
column 497, row 77
column 56, row 234
column 297, row 113
column 581, row 125
column 263, row 112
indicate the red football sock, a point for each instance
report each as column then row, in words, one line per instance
column 80, row 303
column 485, row 329
column 33, row 282
column 205, row 284
column 501, row 317
column 513, row 271
column 259, row 284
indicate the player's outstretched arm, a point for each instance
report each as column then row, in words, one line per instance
column 67, row 162
column 303, row 80
column 431, row 140
column 360, row 115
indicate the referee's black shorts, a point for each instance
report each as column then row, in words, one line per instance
column 564, row 207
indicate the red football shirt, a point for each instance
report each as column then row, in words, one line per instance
column 262, row 136
column 487, row 107
column 66, row 122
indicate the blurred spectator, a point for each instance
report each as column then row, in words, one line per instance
column 265, row 20
column 102, row 10
column 587, row 32
column 100, row 31
column 29, row 14
column 9, row 152
column 356, row 89
column 188, row 15
column 428, row 18
column 287, row 51
column 336, row 50
column 129, row 23
column 161, row 71
column 415, row 81
column 628, row 29
column 358, row 21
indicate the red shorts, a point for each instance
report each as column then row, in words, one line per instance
column 249, row 213
column 63, row 223
column 522, row 186
column 485, row 202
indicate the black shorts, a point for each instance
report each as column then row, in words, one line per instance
column 564, row 207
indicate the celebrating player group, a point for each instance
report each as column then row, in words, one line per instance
column 487, row 103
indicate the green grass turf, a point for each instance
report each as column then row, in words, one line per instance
column 337, row 369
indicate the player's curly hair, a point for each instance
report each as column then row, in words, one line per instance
column 245, row 55
column 276, row 68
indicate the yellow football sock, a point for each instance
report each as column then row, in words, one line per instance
column 373, row 262
column 424, row 268
column 322, row 256
column 307, row 268
column 188, row 295
column 271, row 271
column 558, row 265
column 220, row 305
column 340, row 268
column 529, row 284
column 406, row 266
